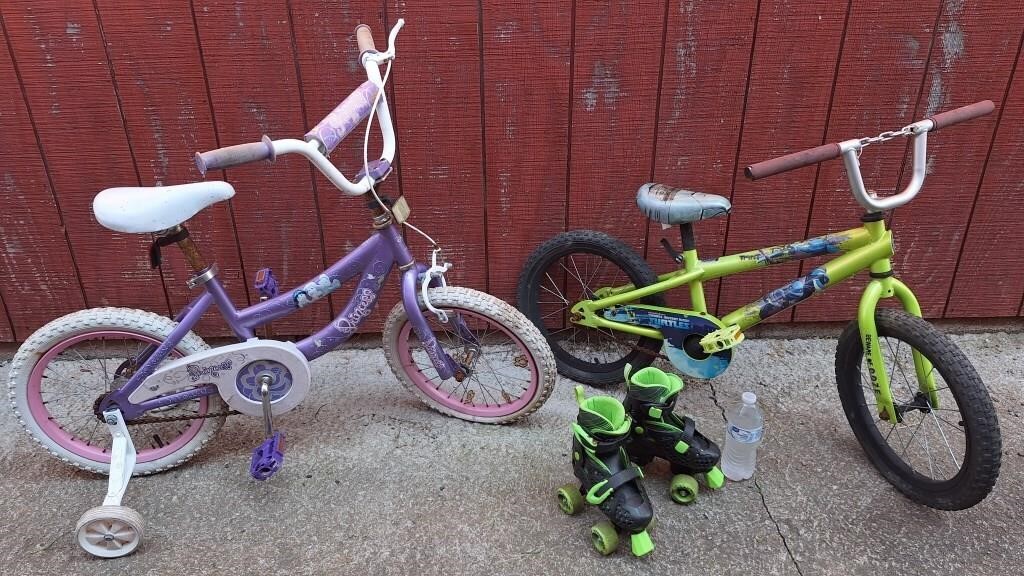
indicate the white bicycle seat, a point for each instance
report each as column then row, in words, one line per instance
column 154, row 209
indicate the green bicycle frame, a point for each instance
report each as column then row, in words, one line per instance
column 868, row 247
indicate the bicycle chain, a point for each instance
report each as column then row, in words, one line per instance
column 158, row 419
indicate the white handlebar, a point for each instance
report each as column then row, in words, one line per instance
column 371, row 61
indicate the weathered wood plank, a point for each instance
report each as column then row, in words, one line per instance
column 787, row 103
column 707, row 58
column 329, row 69
column 885, row 54
column 159, row 76
column 974, row 54
column 437, row 106
column 990, row 277
column 614, row 99
column 251, row 70
column 67, row 81
column 526, row 98
column 39, row 282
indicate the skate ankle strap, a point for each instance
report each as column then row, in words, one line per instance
column 600, row 492
column 658, row 409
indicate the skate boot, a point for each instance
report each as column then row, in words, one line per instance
column 659, row 433
column 607, row 478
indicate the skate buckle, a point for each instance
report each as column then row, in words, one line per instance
column 268, row 457
column 721, row 339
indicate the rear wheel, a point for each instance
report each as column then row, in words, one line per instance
column 567, row 269
column 62, row 372
column 945, row 456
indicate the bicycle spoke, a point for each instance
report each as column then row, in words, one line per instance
column 912, row 436
column 946, row 442
column 928, row 452
column 580, row 276
column 557, row 294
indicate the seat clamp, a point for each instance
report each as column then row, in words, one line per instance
column 203, row 277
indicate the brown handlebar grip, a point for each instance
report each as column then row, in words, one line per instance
column 791, row 161
column 963, row 114
column 364, row 38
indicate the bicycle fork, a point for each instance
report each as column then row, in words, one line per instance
column 447, row 367
column 877, row 289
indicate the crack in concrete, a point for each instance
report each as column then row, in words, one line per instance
column 714, row 398
column 777, row 529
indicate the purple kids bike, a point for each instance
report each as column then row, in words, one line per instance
column 123, row 392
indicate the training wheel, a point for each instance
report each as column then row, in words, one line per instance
column 570, row 500
column 109, row 531
column 684, row 488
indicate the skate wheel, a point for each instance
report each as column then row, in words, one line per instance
column 570, row 500
column 605, row 537
column 715, row 478
column 109, row 531
column 684, row 488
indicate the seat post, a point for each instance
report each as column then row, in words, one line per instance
column 686, row 235
column 200, row 269
column 192, row 255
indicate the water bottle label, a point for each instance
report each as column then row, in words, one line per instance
column 745, row 436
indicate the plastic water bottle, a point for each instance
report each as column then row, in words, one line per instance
column 742, row 437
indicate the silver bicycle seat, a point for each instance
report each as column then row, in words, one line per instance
column 669, row 205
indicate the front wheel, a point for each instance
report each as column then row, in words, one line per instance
column 510, row 369
column 943, row 455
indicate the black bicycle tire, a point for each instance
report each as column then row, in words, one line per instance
column 617, row 252
column 980, row 469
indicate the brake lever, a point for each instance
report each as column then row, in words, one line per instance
column 380, row 58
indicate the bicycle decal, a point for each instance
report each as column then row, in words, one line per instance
column 315, row 290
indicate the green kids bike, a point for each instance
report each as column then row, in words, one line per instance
column 914, row 401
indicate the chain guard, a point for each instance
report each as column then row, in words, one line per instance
column 682, row 331
column 237, row 370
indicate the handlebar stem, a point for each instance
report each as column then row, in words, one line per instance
column 850, row 150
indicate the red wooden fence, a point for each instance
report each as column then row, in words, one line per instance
column 516, row 120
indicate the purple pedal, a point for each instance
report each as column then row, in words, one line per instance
column 265, row 283
column 268, row 457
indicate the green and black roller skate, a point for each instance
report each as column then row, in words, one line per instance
column 607, row 478
column 659, row 433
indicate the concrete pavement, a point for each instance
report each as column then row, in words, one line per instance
column 376, row 483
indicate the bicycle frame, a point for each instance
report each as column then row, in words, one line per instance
column 372, row 261
column 868, row 247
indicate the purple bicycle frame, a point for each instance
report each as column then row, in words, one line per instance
column 372, row 260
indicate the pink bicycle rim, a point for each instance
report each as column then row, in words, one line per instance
column 42, row 416
column 424, row 383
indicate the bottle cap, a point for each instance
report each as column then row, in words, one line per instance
column 749, row 398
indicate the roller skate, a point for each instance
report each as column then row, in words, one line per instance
column 660, row 433
column 607, row 478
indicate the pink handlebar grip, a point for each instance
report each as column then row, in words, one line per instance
column 364, row 38
column 235, row 155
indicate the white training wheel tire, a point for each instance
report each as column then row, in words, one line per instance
column 109, row 531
